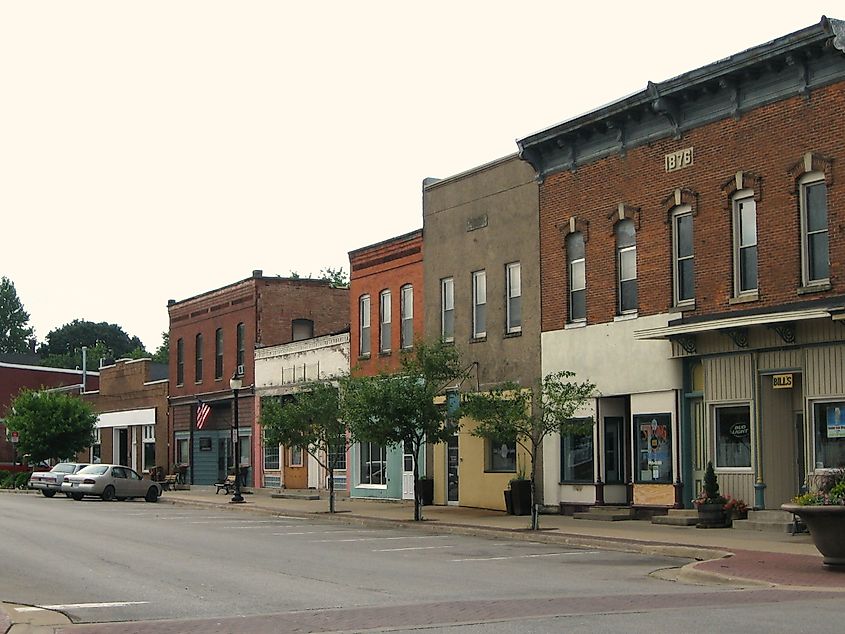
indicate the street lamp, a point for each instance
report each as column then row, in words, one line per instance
column 236, row 382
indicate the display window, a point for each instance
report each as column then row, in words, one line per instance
column 654, row 448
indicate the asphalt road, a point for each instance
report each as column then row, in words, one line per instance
column 186, row 569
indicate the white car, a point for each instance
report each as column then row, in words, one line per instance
column 50, row 482
column 110, row 482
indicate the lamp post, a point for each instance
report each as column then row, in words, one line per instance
column 236, row 382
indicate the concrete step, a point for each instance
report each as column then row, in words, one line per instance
column 297, row 495
column 606, row 514
column 677, row 517
column 770, row 522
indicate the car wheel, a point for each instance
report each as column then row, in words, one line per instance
column 108, row 494
column 67, row 495
column 47, row 494
column 152, row 495
column 76, row 496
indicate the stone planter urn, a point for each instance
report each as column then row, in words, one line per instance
column 713, row 516
column 827, row 528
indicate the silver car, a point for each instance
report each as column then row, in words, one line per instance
column 50, row 482
column 110, row 482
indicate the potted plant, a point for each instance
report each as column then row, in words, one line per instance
column 822, row 509
column 710, row 503
column 520, row 493
column 736, row 508
column 426, row 485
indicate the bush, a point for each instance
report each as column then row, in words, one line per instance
column 8, row 480
column 22, row 480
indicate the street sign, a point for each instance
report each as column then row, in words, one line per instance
column 14, row 437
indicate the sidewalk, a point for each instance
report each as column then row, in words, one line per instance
column 725, row 555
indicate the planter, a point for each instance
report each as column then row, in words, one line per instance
column 521, row 497
column 426, row 491
column 713, row 516
column 508, row 502
column 826, row 524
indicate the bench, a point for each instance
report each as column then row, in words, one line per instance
column 169, row 482
column 228, row 485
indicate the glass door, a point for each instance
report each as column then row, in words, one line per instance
column 452, row 460
column 614, row 448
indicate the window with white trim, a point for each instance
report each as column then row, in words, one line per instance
column 626, row 266
column 272, row 457
column 364, row 326
column 384, row 331
column 577, row 277
column 815, row 252
column 198, row 358
column 241, row 341
column 97, row 446
column 218, row 353
column 733, row 436
column 829, row 434
column 683, row 262
column 406, row 316
column 513, row 280
column 447, row 309
column 180, row 361
column 479, row 304
column 373, row 464
column 296, row 456
column 148, row 434
column 745, row 243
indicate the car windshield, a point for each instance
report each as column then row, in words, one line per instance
column 94, row 469
column 63, row 467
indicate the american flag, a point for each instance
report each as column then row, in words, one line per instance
column 203, row 412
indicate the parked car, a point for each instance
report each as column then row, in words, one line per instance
column 110, row 482
column 50, row 482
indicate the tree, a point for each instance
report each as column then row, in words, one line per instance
column 312, row 421
column 51, row 425
column 103, row 340
column 162, row 353
column 338, row 277
column 14, row 332
column 400, row 408
column 513, row 413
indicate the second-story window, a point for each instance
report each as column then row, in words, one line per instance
column 198, row 358
column 241, row 335
column 447, row 309
column 384, row 322
column 814, row 229
column 218, row 353
column 626, row 266
column 576, row 263
column 513, row 279
column 364, row 326
column 180, row 361
column 683, row 256
column 406, row 310
column 479, row 304
column 302, row 329
column 745, row 243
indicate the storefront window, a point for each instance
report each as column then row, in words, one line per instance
column 829, row 432
column 654, row 448
column 501, row 456
column 182, row 455
column 576, row 458
column 373, row 464
column 733, row 436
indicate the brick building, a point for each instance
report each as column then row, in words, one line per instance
column 132, row 422
column 19, row 372
column 386, row 302
column 693, row 266
column 214, row 335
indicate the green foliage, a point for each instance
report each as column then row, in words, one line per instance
column 709, row 493
column 508, row 413
column 51, row 425
column 162, row 353
column 104, row 341
column 338, row 277
column 14, row 332
column 827, row 488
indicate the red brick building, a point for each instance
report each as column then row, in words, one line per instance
column 22, row 372
column 214, row 335
column 386, row 304
column 693, row 266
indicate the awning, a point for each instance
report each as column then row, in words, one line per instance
column 127, row 418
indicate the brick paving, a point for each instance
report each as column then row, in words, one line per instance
column 777, row 568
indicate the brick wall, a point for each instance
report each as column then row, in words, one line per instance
column 767, row 141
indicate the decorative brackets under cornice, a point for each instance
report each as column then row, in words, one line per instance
column 738, row 335
column 785, row 330
column 687, row 342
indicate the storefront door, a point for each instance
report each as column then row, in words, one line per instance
column 408, row 473
column 614, row 450
column 780, row 445
column 452, row 460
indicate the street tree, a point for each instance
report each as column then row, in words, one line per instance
column 310, row 420
column 51, row 425
column 339, row 278
column 162, row 353
column 512, row 413
column 400, row 408
column 103, row 340
column 14, row 332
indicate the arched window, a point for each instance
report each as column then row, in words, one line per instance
column 198, row 358
column 626, row 266
column 815, row 252
column 364, row 326
column 576, row 263
column 384, row 334
column 683, row 255
column 218, row 353
column 406, row 316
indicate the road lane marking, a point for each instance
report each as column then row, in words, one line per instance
column 80, row 606
column 229, row 519
column 394, row 550
column 580, row 552
column 373, row 539
column 341, row 531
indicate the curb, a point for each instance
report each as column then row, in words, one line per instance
column 699, row 553
column 39, row 620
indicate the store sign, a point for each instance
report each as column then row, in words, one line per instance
column 14, row 438
column 782, row 381
column 836, row 422
column 739, row 430
column 678, row 160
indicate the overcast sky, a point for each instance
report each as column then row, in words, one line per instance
column 156, row 150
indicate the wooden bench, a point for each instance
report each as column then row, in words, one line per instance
column 227, row 486
column 169, row 482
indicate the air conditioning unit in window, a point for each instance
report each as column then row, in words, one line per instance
column 240, row 370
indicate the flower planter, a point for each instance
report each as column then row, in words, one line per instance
column 426, row 491
column 521, row 497
column 827, row 526
column 713, row 516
